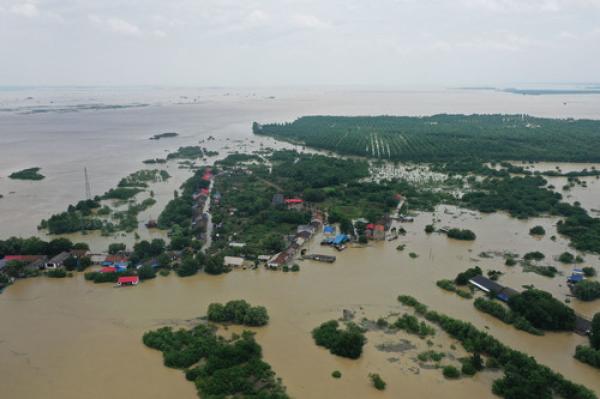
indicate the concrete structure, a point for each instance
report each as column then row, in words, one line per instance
column 233, row 261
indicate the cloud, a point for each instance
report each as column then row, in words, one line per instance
column 309, row 22
column 26, row 9
column 116, row 25
column 256, row 18
column 159, row 33
column 529, row 6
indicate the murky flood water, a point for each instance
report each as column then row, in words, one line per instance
column 70, row 338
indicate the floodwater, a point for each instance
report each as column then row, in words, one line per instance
column 70, row 338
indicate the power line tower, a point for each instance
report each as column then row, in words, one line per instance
column 88, row 190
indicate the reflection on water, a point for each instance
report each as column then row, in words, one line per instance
column 71, row 339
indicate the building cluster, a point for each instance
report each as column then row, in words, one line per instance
column 31, row 263
column 200, row 218
column 296, row 241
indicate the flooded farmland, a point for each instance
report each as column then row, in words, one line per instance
column 68, row 338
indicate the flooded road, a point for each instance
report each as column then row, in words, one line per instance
column 67, row 339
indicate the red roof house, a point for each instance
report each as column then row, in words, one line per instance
column 293, row 201
column 108, row 269
column 128, row 280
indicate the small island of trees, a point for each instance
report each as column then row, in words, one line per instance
column 346, row 342
column 219, row 367
column 238, row 312
column 27, row 174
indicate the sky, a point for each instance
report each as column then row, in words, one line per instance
column 403, row 43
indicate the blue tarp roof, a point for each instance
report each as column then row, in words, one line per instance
column 106, row 263
column 329, row 229
column 340, row 239
column 575, row 278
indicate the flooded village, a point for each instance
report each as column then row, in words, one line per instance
column 67, row 333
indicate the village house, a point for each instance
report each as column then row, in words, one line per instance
column 379, row 232
column 296, row 204
column 32, row 262
column 57, row 261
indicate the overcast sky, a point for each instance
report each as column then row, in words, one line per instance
column 299, row 42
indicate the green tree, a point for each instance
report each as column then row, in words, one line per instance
column 587, row 290
column 595, row 334
column 146, row 272
column 115, row 248
column 189, row 266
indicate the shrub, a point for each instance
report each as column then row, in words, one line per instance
column 411, row 324
column 447, row 285
column 595, row 333
column 431, row 355
column 468, row 368
column 336, row 374
column 377, row 381
column 535, row 255
column 451, row 372
column 589, row 271
column 566, row 257
column 464, row 277
column 587, row 290
column 537, row 231
column 295, row 267
column 429, row 229
column 462, row 234
column 510, row 261
column 57, row 273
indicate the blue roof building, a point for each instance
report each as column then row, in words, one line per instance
column 340, row 239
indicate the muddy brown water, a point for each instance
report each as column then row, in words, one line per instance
column 69, row 338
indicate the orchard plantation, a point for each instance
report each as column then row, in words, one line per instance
column 445, row 137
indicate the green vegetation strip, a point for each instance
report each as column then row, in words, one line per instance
column 523, row 376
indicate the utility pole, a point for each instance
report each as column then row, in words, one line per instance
column 88, row 190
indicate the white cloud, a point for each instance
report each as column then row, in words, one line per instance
column 309, row 22
column 159, row 33
column 116, row 25
column 256, row 18
column 529, row 6
column 25, row 10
